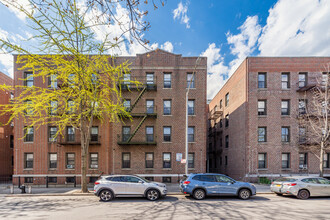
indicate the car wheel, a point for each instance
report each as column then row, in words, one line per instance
column 106, row 195
column 279, row 194
column 199, row 194
column 244, row 194
column 303, row 194
column 153, row 195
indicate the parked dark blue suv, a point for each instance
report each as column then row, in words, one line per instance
column 200, row 185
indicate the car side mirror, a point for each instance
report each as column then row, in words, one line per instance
column 140, row 181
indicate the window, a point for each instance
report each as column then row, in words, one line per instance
column 303, row 160
column 227, row 141
column 126, row 160
column 127, row 104
column 28, row 77
column 227, row 120
column 190, row 80
column 28, row 107
column 70, row 134
column 70, row 161
column 150, row 134
column 302, row 135
column 93, row 160
column 324, row 78
column 70, row 179
column 167, row 179
column 167, row 80
column 191, row 107
column 167, row 134
column 285, row 107
column 285, row 134
column 53, row 107
column 191, row 134
column 262, row 134
column 166, row 160
column 302, row 106
column 262, row 107
column 227, row 99
column 28, row 161
column 149, row 160
column 94, row 79
column 53, row 81
column 52, row 179
column 52, row 133
column 150, row 79
column 150, row 178
column 150, row 106
column 71, row 107
column 167, row 107
column 262, row 161
column 52, row 161
column 71, row 80
column 126, row 80
column 191, row 160
column 223, row 179
column 94, row 134
column 126, row 133
column 262, row 80
column 220, row 123
column 285, row 160
column 226, row 160
column 326, row 161
column 28, row 134
column 220, row 104
column 302, row 80
column 28, row 179
column 285, row 80
column 11, row 141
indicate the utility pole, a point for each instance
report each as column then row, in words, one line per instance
column 187, row 93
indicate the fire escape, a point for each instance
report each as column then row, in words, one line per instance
column 139, row 113
column 214, row 115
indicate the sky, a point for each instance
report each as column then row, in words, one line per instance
column 226, row 32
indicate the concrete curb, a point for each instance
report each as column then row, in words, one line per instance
column 86, row 194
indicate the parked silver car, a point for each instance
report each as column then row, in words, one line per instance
column 109, row 187
column 302, row 186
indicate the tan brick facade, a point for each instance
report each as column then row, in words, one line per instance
column 6, row 134
column 109, row 151
column 243, row 150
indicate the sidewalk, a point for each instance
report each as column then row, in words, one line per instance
column 172, row 189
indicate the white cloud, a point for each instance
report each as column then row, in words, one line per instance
column 25, row 4
column 180, row 13
column 244, row 43
column 297, row 28
column 216, row 70
column 168, row 46
column 7, row 61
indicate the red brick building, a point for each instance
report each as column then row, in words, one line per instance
column 253, row 126
column 6, row 134
column 149, row 145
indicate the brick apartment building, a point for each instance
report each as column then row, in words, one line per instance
column 253, row 127
column 148, row 145
column 6, row 134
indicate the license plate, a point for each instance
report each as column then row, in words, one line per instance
column 278, row 185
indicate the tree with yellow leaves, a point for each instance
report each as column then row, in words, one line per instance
column 85, row 84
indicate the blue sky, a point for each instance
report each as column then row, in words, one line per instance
column 224, row 31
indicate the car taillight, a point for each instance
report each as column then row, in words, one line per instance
column 96, row 183
column 186, row 182
column 290, row 184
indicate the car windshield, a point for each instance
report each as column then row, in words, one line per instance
column 144, row 179
column 285, row 179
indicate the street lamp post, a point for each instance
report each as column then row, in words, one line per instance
column 187, row 93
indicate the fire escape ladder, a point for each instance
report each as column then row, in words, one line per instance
column 137, row 128
column 138, row 98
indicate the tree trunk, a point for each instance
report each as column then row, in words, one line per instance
column 321, row 159
column 83, row 167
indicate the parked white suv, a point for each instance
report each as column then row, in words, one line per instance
column 109, row 187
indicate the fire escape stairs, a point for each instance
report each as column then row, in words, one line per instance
column 138, row 98
column 137, row 128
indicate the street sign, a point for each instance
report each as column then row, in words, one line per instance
column 183, row 160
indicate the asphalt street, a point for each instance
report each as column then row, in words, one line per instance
column 262, row 206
